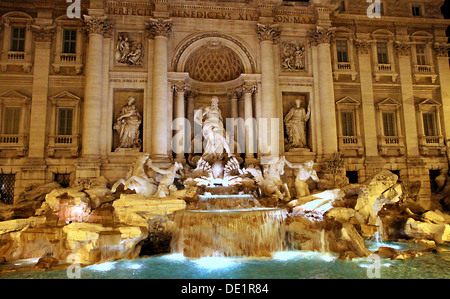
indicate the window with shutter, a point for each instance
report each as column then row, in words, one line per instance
column 348, row 125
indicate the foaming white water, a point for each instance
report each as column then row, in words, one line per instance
column 215, row 263
column 102, row 267
column 310, row 255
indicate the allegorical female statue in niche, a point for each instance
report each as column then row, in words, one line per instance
column 295, row 123
column 127, row 125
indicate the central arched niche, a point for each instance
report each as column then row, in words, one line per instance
column 214, row 62
column 232, row 48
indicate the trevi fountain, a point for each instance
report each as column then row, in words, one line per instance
column 217, row 217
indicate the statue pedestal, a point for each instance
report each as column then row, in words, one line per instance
column 127, row 150
column 299, row 155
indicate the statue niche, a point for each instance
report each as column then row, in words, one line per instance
column 127, row 125
column 295, row 124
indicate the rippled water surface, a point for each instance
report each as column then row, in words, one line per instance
column 290, row 264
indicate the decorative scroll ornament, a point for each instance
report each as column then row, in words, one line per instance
column 403, row 48
column 363, row 46
column 159, row 27
column 441, row 49
column 97, row 25
column 293, row 56
column 321, row 36
column 268, row 32
column 43, row 33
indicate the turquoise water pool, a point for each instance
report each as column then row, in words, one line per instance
column 287, row 265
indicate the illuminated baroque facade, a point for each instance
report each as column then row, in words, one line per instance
column 376, row 90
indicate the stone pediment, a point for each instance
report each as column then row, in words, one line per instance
column 389, row 102
column 348, row 101
column 13, row 95
column 429, row 103
column 65, row 95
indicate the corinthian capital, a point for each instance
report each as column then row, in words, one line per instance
column 363, row 46
column 159, row 27
column 441, row 49
column 402, row 48
column 268, row 32
column 97, row 25
column 321, row 36
column 43, row 33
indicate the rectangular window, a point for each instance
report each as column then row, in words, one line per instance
column 382, row 51
column 7, row 182
column 65, row 118
column 17, row 39
column 421, row 54
column 69, row 41
column 429, row 124
column 11, row 120
column 416, row 11
column 342, row 50
column 348, row 124
column 389, row 124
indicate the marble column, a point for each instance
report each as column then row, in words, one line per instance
column 234, row 115
column 367, row 99
column 249, row 125
column 180, row 90
column 96, row 27
column 409, row 108
column 322, row 38
column 160, row 29
column 42, row 38
column 443, row 71
column 34, row 169
column 190, row 113
column 268, row 34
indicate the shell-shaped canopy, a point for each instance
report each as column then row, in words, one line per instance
column 214, row 62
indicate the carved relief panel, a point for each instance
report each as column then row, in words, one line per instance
column 293, row 56
column 129, row 50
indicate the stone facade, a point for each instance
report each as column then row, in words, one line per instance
column 377, row 87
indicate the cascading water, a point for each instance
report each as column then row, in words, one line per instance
column 224, row 229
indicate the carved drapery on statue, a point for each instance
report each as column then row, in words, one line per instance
column 127, row 125
column 295, row 124
column 213, row 132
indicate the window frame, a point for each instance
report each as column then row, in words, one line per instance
column 16, row 125
column 20, row 41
